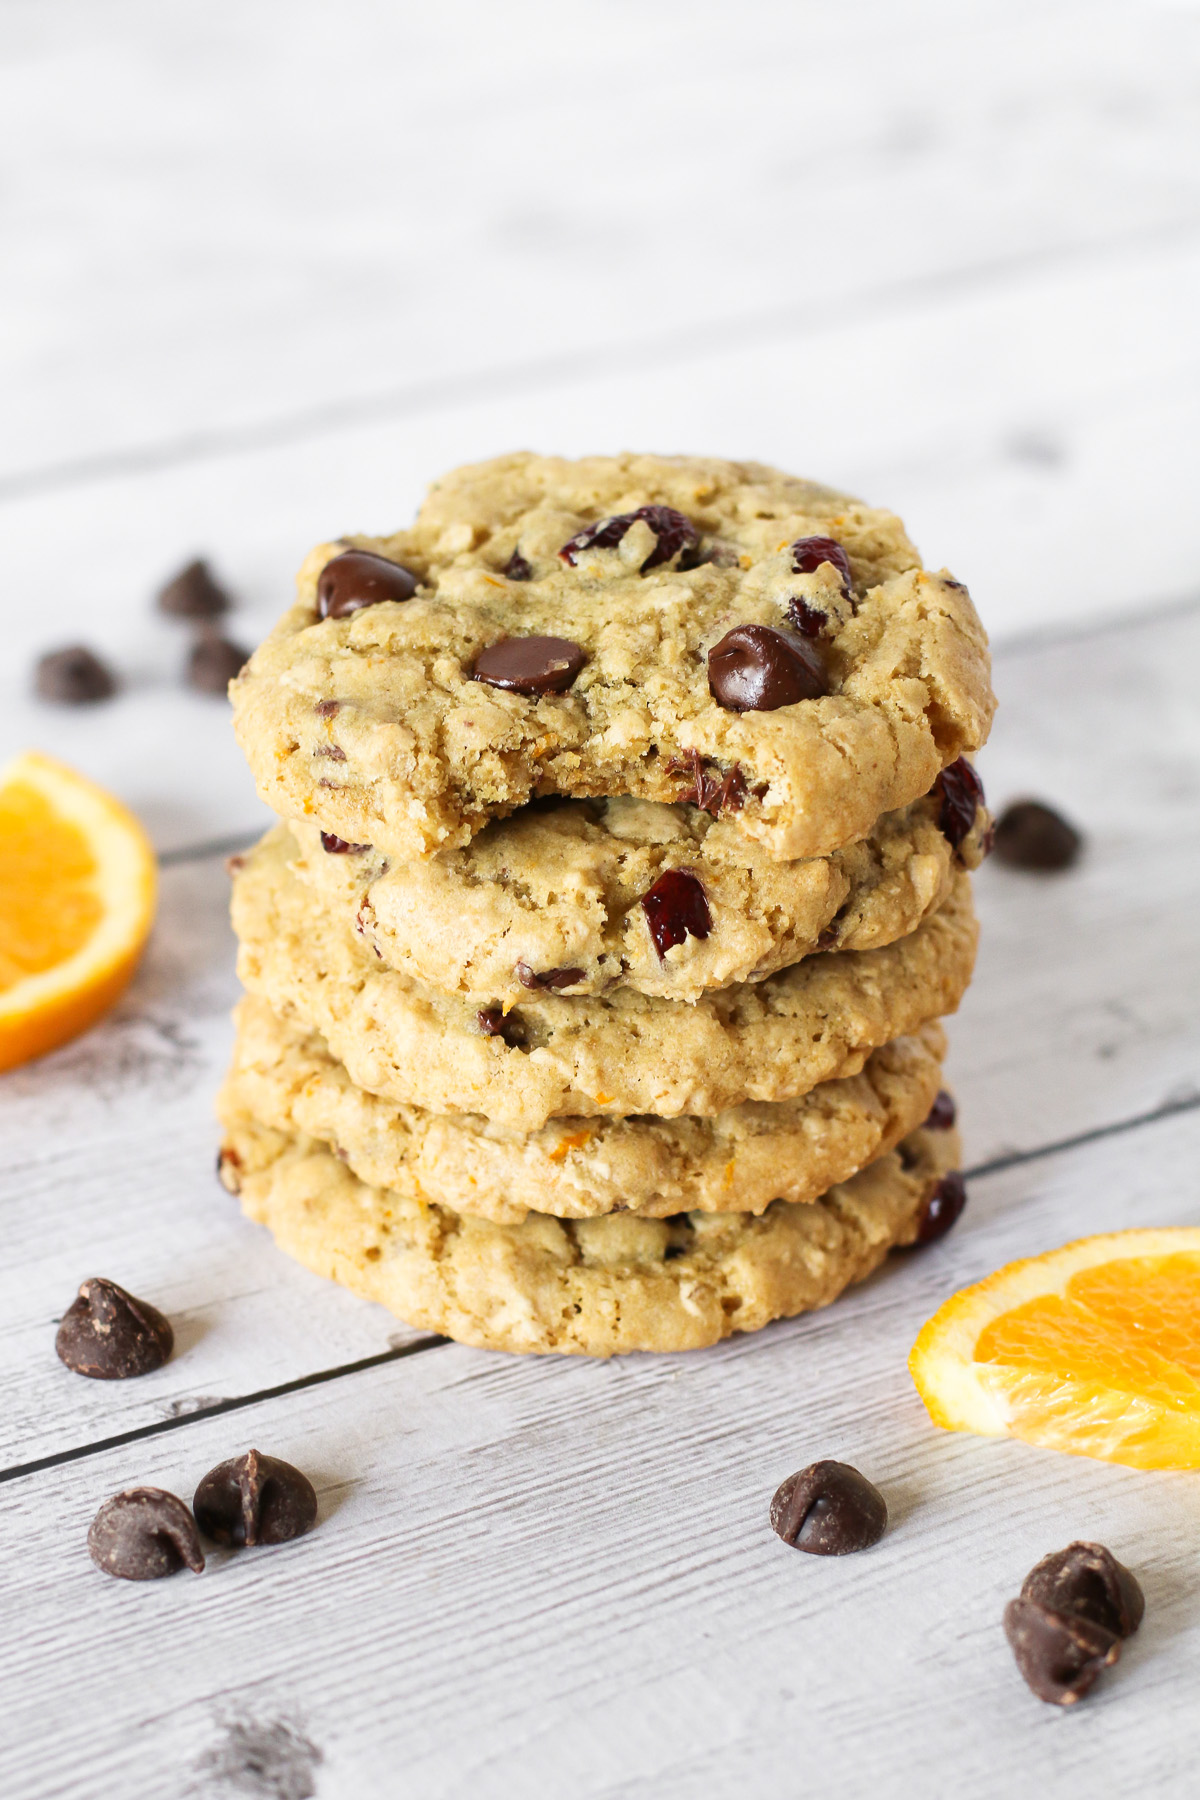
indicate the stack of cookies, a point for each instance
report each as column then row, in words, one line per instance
column 595, row 968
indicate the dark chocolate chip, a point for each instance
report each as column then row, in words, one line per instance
column 673, row 530
column 254, row 1499
column 961, row 793
column 1085, row 1581
column 942, row 1113
column 675, row 906
column 807, row 619
column 530, row 665
column 942, row 1209
column 1030, row 835
column 360, row 578
column 73, row 677
column 829, row 1509
column 194, row 594
column 493, row 1021
column 517, row 569
column 213, row 662
column 712, row 794
column 334, row 752
column 336, row 846
column 143, row 1534
column 1059, row 1656
column 108, row 1334
column 547, row 978
column 756, row 668
column 809, row 553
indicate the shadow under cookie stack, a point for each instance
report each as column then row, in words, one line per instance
column 594, row 972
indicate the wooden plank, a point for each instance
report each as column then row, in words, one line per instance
column 208, row 227
column 535, row 1572
column 1080, row 1016
column 934, row 412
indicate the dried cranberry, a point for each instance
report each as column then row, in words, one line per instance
column 961, row 792
column 517, row 569
column 547, row 978
column 728, row 794
column 808, row 553
column 807, row 619
column 675, row 906
column 755, row 668
column 336, row 846
column 942, row 1113
column 942, row 1209
column 674, row 532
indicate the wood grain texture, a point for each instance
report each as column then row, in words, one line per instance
column 537, row 1575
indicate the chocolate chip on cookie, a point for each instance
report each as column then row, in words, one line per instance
column 336, row 846
column 360, row 578
column 144, row 1534
column 194, row 593
column 554, row 979
column 111, row 1336
column 1086, row 1581
column 961, row 793
column 829, row 1509
column 674, row 907
column 530, row 665
column 1031, row 835
column 517, row 569
column 942, row 1209
column 493, row 1021
column 942, row 1113
column 808, row 620
column 756, row 668
column 73, row 677
column 674, row 531
column 255, row 1499
column 712, row 794
column 808, row 553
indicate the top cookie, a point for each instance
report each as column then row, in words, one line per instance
column 671, row 628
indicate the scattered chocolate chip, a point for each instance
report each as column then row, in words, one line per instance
column 143, row 1534
column 1085, row 1581
column 325, row 709
column 942, row 1209
column 108, row 1334
column 517, row 569
column 547, row 978
column 336, row 846
column 493, row 1021
column 1058, row 1655
column 213, row 662
column 829, row 1509
column 942, row 1113
column 710, row 794
column 961, row 793
column 530, row 665
column 675, row 906
column 755, row 668
column 194, row 594
column 360, row 578
column 73, row 677
column 807, row 619
column 254, row 1499
column 808, row 553
column 1031, row 835
column 673, row 530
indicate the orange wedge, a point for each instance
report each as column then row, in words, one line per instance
column 77, row 890
column 1093, row 1349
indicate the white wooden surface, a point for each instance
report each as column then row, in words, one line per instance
column 266, row 270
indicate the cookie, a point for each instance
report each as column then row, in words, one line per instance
column 589, row 1287
column 670, row 628
column 583, row 896
column 558, row 1055
column 742, row 1159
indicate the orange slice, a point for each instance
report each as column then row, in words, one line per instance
column 77, row 891
column 1093, row 1349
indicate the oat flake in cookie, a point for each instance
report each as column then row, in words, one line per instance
column 847, row 700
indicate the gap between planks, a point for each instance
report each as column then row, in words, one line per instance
column 774, row 324
column 321, row 1377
